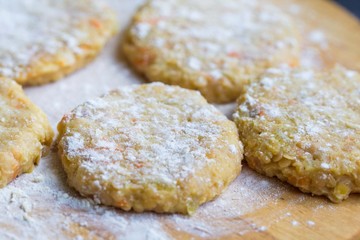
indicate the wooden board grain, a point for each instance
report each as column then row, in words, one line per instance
column 41, row 205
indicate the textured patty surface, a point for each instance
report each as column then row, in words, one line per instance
column 216, row 47
column 150, row 148
column 303, row 127
column 43, row 40
column 24, row 131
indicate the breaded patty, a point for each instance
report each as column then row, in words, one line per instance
column 24, row 131
column 216, row 47
column 43, row 40
column 149, row 148
column 303, row 127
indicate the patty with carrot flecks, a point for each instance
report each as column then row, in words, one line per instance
column 216, row 47
column 302, row 126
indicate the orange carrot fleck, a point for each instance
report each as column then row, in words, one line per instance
column 121, row 203
column 153, row 21
column 138, row 165
column 234, row 54
column 95, row 23
column 294, row 63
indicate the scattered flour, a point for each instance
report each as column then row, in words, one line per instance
column 310, row 223
column 318, row 37
column 294, row 223
column 325, row 165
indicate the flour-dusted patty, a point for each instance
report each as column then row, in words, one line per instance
column 150, row 148
column 303, row 127
column 216, row 47
column 24, row 131
column 43, row 40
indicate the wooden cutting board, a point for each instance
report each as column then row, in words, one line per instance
column 40, row 205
